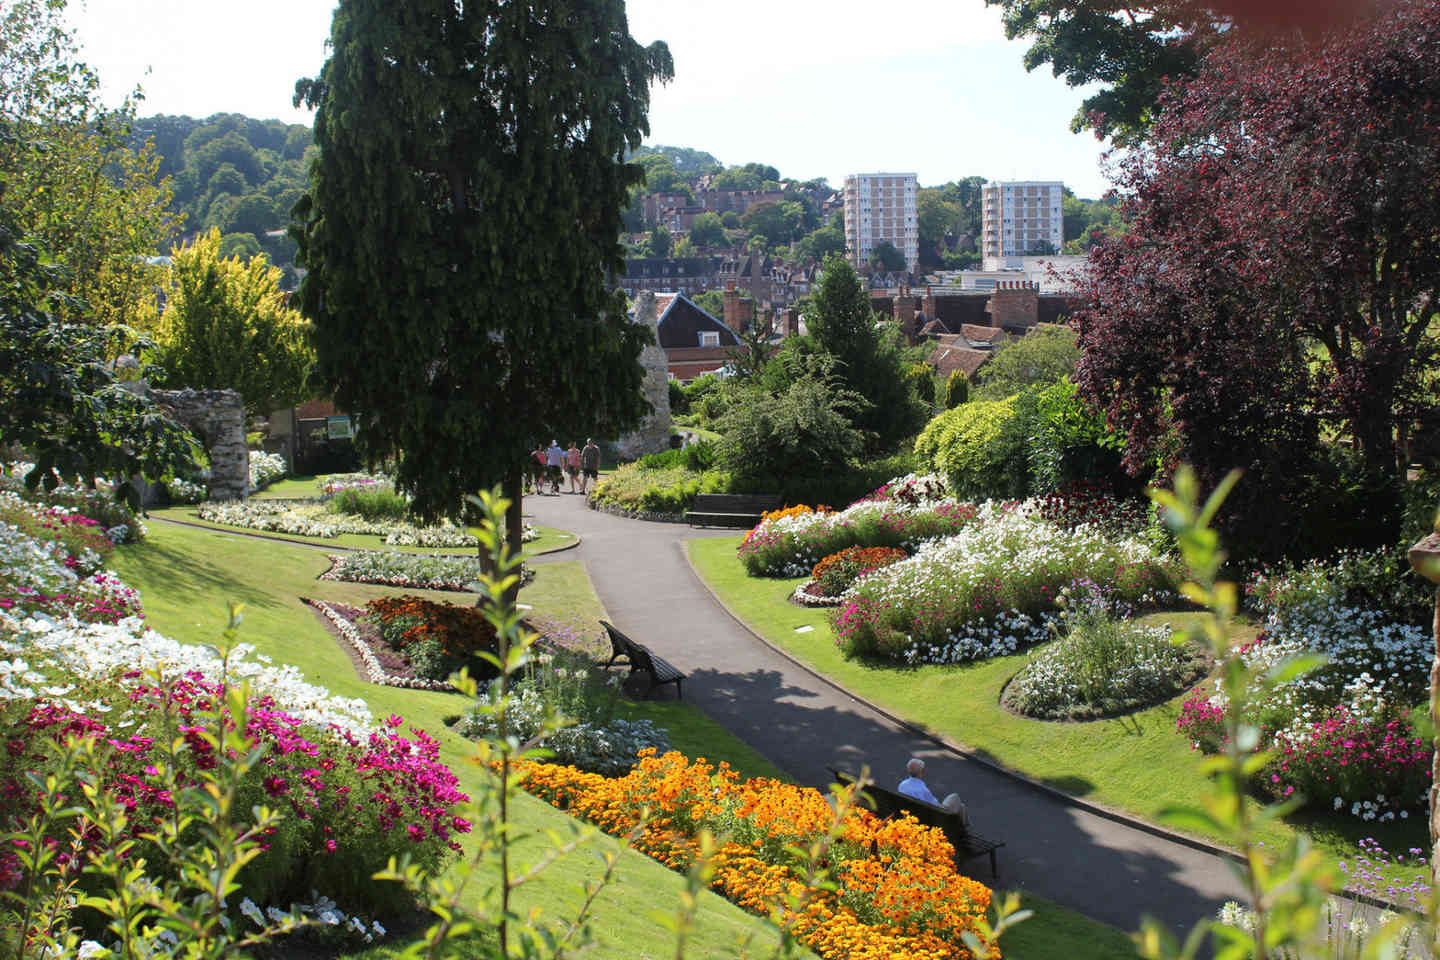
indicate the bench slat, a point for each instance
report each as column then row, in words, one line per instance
column 641, row 658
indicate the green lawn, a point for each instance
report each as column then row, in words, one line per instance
column 551, row 538
column 1137, row 763
column 291, row 488
column 186, row 576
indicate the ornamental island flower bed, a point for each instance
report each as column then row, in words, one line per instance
column 313, row 520
column 789, row 542
column 991, row 588
column 897, row 892
column 415, row 571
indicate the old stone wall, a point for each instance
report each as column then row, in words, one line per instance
column 217, row 418
column 653, row 434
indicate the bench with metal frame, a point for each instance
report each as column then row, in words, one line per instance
column 639, row 657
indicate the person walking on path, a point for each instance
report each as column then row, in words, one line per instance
column 536, row 473
column 589, row 464
column 554, row 459
column 572, row 465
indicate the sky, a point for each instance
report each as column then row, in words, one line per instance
column 817, row 90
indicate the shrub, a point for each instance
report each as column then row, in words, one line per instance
column 1378, row 579
column 1101, row 667
column 114, row 516
column 665, row 490
column 922, row 380
column 1070, row 445
column 412, row 570
column 977, row 449
column 266, row 468
column 943, row 605
column 1041, row 357
column 957, row 389
column 378, row 503
column 837, row 572
column 570, row 685
column 777, row 442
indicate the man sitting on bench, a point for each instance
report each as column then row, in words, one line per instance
column 914, row 785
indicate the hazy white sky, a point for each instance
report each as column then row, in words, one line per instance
column 817, row 90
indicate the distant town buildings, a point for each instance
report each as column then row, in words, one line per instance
column 1020, row 218
column 880, row 207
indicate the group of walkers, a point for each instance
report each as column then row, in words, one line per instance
column 549, row 464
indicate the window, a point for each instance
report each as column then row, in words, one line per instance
column 709, row 338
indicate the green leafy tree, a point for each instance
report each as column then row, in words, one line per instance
column 71, row 176
column 240, row 245
column 935, row 219
column 712, row 302
column 827, row 241
column 730, row 220
column 1130, row 52
column 1041, row 357
column 775, row 222
column 225, row 325
column 60, row 398
column 661, row 242
column 887, row 257
column 460, row 229
column 707, row 231
column 871, row 362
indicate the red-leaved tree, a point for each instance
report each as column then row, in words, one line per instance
column 1279, row 282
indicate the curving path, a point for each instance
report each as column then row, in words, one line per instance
column 1101, row 866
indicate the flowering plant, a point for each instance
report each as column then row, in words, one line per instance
column 837, row 572
column 1005, row 563
column 897, row 892
column 414, row 570
column 266, row 468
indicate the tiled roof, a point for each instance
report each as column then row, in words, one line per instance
column 974, row 331
column 946, row 360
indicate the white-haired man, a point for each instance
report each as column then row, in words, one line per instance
column 914, row 784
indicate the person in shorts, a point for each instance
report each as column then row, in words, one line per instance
column 589, row 464
column 535, row 469
column 554, row 461
column 572, row 465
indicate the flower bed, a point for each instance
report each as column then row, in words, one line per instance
column 1341, row 735
column 352, row 794
column 336, row 482
column 115, row 518
column 989, row 589
column 50, row 565
column 382, row 665
column 312, row 520
column 897, row 892
column 570, row 685
column 1103, row 667
column 788, row 543
column 266, row 468
column 417, row 571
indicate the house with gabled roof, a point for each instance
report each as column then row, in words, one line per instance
column 694, row 342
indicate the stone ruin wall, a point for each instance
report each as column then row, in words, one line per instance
column 653, row 434
column 217, row 418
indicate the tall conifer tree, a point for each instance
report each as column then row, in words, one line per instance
column 461, row 232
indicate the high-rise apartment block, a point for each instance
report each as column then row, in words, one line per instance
column 1021, row 218
column 880, row 207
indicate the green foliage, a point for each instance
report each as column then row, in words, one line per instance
column 495, row 220
column 957, row 389
column 730, row 219
column 826, row 241
column 976, row 448
column 871, row 363
column 707, row 231
column 1131, row 56
column 1070, row 444
column 378, row 503
column 679, row 403
column 686, row 160
column 1043, row 356
column 922, row 381
column 665, row 489
column 712, row 302
column 225, row 325
column 886, row 256
column 778, row 443
column 775, row 223
column 72, row 179
column 660, row 242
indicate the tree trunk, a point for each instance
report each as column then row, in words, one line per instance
column 514, row 527
column 1425, row 559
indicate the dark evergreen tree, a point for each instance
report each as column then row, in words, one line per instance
column 460, row 232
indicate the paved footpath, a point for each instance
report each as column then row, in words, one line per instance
column 1101, row 867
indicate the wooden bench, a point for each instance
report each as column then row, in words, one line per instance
column 731, row 509
column 888, row 803
column 639, row 657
